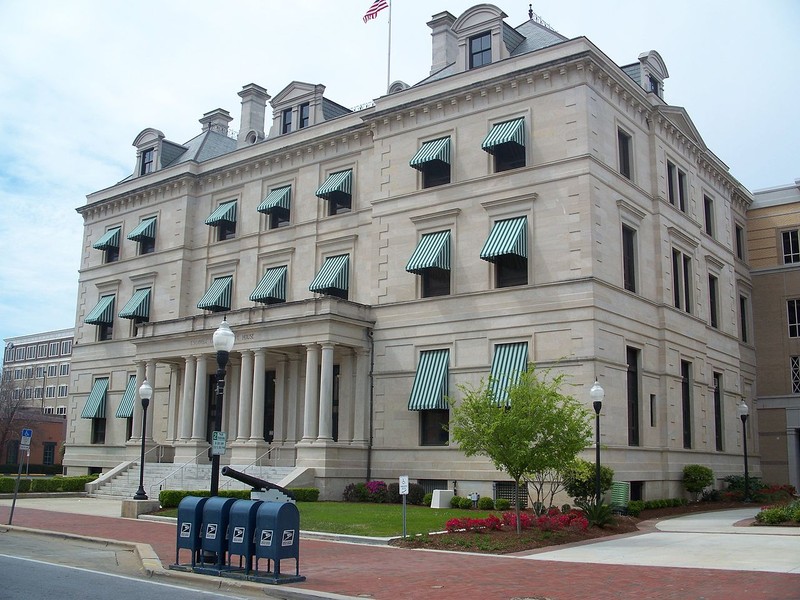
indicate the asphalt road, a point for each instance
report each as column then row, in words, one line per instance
column 34, row 567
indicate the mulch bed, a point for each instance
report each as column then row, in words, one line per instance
column 508, row 541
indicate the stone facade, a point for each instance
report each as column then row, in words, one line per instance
column 774, row 255
column 610, row 279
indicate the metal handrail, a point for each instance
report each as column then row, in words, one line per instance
column 179, row 470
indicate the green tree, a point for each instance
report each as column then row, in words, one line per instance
column 538, row 429
column 580, row 480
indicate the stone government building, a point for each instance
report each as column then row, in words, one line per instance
column 529, row 200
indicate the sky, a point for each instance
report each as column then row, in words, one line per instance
column 80, row 79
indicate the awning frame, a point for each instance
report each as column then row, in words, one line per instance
column 218, row 296
column 508, row 236
column 272, row 287
column 430, row 388
column 103, row 311
column 432, row 252
column 95, row 407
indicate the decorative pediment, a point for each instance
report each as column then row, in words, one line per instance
column 295, row 92
column 480, row 16
column 148, row 137
column 679, row 118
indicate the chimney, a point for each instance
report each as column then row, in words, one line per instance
column 217, row 120
column 254, row 107
column 445, row 43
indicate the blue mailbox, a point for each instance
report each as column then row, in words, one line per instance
column 190, row 517
column 213, row 537
column 241, row 532
column 278, row 537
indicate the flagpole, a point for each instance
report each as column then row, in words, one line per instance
column 389, row 52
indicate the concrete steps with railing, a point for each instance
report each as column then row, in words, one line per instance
column 123, row 482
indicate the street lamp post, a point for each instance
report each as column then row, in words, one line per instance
column 223, row 343
column 596, row 393
column 744, row 411
column 145, row 393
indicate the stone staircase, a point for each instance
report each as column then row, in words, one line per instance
column 123, row 482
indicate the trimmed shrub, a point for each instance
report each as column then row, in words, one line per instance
column 635, row 507
column 455, row 502
column 485, row 503
column 393, row 494
column 416, row 494
column 377, row 491
column 502, row 504
column 355, row 492
column 696, row 478
column 305, row 494
column 427, row 499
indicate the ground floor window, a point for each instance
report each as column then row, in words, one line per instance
column 98, row 431
column 433, row 427
column 49, row 454
column 430, row 485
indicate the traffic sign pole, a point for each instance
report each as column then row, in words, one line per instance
column 24, row 444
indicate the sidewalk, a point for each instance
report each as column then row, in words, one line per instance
column 698, row 556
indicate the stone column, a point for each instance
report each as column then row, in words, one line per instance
column 200, row 399
column 232, row 401
column 280, row 401
column 326, row 394
column 151, row 410
column 259, row 380
column 311, row 403
column 187, row 403
column 136, row 425
column 245, row 395
column 292, row 403
column 346, row 397
column 361, row 399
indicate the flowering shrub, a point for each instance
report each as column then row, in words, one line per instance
column 492, row 522
column 553, row 520
column 779, row 514
column 377, row 491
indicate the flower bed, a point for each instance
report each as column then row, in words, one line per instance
column 553, row 520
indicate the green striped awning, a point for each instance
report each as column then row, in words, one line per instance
column 125, row 408
column 277, row 198
column 102, row 313
column 95, row 407
column 431, row 151
column 430, row 382
column 504, row 133
column 218, row 296
column 110, row 239
column 225, row 213
column 272, row 287
column 509, row 236
column 509, row 361
column 138, row 307
column 334, row 274
column 145, row 229
column 433, row 251
column 336, row 182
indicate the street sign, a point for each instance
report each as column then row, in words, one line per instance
column 403, row 485
column 218, row 441
column 25, row 442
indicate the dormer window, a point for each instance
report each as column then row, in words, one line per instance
column 304, row 115
column 147, row 161
column 286, row 121
column 480, row 50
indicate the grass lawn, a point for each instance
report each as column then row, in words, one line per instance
column 380, row 520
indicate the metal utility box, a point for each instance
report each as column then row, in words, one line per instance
column 241, row 532
column 190, row 518
column 278, row 537
column 213, row 538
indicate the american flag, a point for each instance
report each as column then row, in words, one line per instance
column 376, row 7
